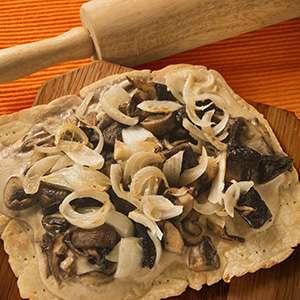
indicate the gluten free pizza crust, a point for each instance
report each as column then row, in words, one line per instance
column 147, row 183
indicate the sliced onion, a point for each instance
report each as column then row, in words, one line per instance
column 116, row 181
column 138, row 217
column 207, row 135
column 232, row 195
column 135, row 134
column 62, row 162
column 47, row 150
column 84, row 267
column 113, row 255
column 130, row 258
column 192, row 174
column 207, row 208
column 123, row 151
column 222, row 124
column 159, row 106
column 78, row 135
column 110, row 102
column 89, row 219
column 82, row 154
column 121, row 223
column 32, row 179
column 138, row 161
column 172, row 168
column 157, row 245
column 216, row 190
column 140, row 178
column 157, row 208
column 81, row 109
column 223, row 136
column 78, row 177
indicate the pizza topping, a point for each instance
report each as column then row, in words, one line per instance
column 172, row 168
column 104, row 236
column 203, row 257
column 157, row 208
column 159, row 106
column 32, row 178
column 130, row 250
column 253, row 209
column 15, row 197
column 55, row 224
column 148, row 246
column 191, row 228
column 91, row 218
column 159, row 124
column 218, row 226
column 110, row 102
column 172, row 240
column 142, row 164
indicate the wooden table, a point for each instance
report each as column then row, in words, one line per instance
column 263, row 66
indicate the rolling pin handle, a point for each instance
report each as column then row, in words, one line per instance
column 22, row 60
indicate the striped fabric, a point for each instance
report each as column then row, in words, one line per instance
column 23, row 21
column 263, row 66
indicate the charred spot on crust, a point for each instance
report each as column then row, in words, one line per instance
column 148, row 246
column 163, row 93
column 253, row 209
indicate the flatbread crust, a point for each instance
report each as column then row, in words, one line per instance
column 262, row 250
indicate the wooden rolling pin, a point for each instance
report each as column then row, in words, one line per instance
column 131, row 32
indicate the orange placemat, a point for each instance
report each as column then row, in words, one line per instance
column 23, row 21
column 263, row 66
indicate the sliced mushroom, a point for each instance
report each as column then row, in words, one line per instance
column 92, row 135
column 97, row 257
column 148, row 246
column 271, row 166
column 14, row 196
column 104, row 121
column 181, row 196
column 121, row 205
column 56, row 252
column 253, row 209
column 112, row 133
column 104, row 236
column 190, row 158
column 220, row 230
column 247, row 164
column 50, row 196
column 146, row 88
column 203, row 257
column 55, row 224
column 191, row 229
column 159, row 124
column 170, row 152
column 173, row 241
column 162, row 92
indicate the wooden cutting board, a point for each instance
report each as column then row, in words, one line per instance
column 277, row 283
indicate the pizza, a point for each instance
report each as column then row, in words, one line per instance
column 147, row 183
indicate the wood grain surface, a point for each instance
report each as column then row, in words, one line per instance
column 277, row 283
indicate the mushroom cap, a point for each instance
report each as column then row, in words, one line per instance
column 15, row 197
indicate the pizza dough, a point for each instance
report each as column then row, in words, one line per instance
column 191, row 213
